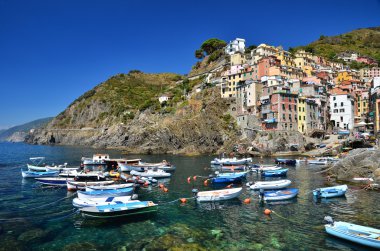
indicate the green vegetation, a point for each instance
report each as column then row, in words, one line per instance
column 250, row 48
column 213, row 47
column 364, row 41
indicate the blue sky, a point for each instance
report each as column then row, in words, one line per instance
column 53, row 51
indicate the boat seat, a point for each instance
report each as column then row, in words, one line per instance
column 109, row 199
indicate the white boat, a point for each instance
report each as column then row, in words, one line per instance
column 31, row 174
column 98, row 162
column 61, row 168
column 218, row 195
column 127, row 165
column 81, row 185
column 151, row 173
column 231, row 161
column 83, row 175
column 318, row 161
column 108, row 187
column 275, row 184
column 105, row 193
column 256, row 167
column 329, row 192
column 92, row 202
column 38, row 165
column 366, row 236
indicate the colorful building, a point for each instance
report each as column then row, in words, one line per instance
column 342, row 109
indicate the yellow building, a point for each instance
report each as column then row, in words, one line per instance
column 362, row 105
column 229, row 88
column 343, row 76
column 305, row 63
column 301, row 106
column 237, row 59
column 285, row 57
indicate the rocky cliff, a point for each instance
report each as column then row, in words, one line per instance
column 123, row 112
column 358, row 163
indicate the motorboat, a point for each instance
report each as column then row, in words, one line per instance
column 269, row 185
column 219, row 195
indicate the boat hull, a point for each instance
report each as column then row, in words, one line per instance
column 109, row 187
column 119, row 210
column 270, row 185
column 275, row 173
column 286, row 194
column 81, row 185
column 106, row 193
column 290, row 162
column 100, row 201
column 330, row 192
column 219, row 195
column 226, row 180
column 58, row 181
column 30, row 174
column 148, row 174
column 36, row 168
column 231, row 161
column 353, row 236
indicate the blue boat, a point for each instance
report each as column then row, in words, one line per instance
column 119, row 210
column 290, row 162
column 275, row 173
column 226, row 179
column 105, row 193
column 232, row 175
column 330, row 192
column 276, row 195
column 32, row 174
column 366, row 236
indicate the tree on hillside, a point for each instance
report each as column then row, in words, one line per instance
column 212, row 44
column 250, row 48
column 199, row 54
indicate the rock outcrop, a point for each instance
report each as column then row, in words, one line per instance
column 358, row 163
column 199, row 125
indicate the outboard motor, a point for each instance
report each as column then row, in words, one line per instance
column 329, row 220
column 134, row 197
column 195, row 192
column 318, row 193
column 261, row 194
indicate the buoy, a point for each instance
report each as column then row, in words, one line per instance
column 161, row 185
column 146, row 184
column 189, row 180
column 183, row 200
column 195, row 178
column 166, row 190
column 205, row 182
column 267, row 211
column 247, row 201
column 229, row 186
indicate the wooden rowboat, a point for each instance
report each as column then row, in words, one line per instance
column 218, row 195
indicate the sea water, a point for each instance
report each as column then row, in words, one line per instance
column 33, row 217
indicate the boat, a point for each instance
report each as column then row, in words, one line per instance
column 138, row 165
column 39, row 166
column 233, row 168
column 290, row 162
column 54, row 181
column 154, row 173
column 318, row 161
column 363, row 235
column 231, row 175
column 127, row 165
column 108, row 187
column 81, row 185
column 82, row 175
column 106, row 193
column 275, row 184
column 98, row 162
column 275, row 173
column 256, row 167
column 100, row 201
column 31, row 174
column 231, row 161
column 119, row 210
column 218, row 195
column 285, row 194
column 228, row 177
column 61, row 168
column 329, row 192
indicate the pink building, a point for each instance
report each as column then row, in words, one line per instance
column 366, row 60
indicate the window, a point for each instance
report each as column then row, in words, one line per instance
column 283, row 117
column 334, row 98
column 290, row 107
column 304, row 117
column 295, row 107
column 299, row 109
column 341, row 103
column 337, row 124
column 303, row 109
column 335, row 110
column 341, row 119
column 290, row 117
column 300, row 117
column 335, row 104
column 359, row 110
column 283, row 106
column 341, row 110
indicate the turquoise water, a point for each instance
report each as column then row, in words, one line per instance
column 32, row 219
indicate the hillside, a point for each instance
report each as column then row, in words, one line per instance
column 21, row 130
column 124, row 112
column 366, row 41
